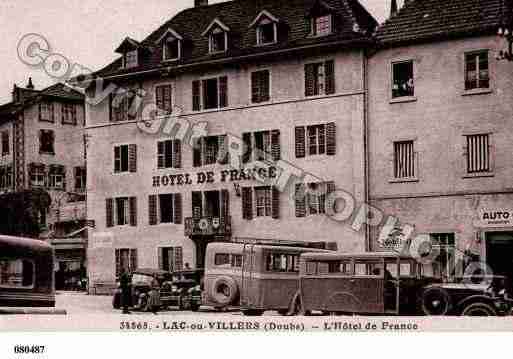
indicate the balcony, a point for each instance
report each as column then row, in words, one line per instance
column 74, row 211
column 208, row 226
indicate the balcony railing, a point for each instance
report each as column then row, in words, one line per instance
column 208, row 226
column 72, row 212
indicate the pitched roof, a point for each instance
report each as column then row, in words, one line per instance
column 238, row 15
column 428, row 20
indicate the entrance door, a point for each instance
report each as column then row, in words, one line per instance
column 499, row 253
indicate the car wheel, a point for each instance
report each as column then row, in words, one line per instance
column 283, row 311
column 479, row 310
column 224, row 290
column 195, row 307
column 435, row 301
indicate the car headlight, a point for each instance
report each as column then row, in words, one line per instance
column 174, row 288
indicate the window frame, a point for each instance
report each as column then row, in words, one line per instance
column 126, row 201
column 52, row 180
column 315, row 22
column 267, row 206
column 269, row 79
column 69, row 114
column 120, row 146
column 135, row 57
column 5, row 138
column 476, row 54
column 33, row 281
column 217, row 31
column 164, row 156
column 491, row 155
column 80, row 174
column 317, row 128
column 402, row 98
column 415, row 165
column 165, row 48
column 159, row 208
column 260, row 32
column 45, row 132
column 48, row 108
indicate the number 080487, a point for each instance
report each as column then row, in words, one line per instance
column 29, row 349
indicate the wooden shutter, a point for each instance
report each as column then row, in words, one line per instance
column 300, row 142
column 275, row 145
column 177, row 154
column 265, row 91
column 310, row 79
column 197, row 205
column 330, row 187
column 152, row 210
column 223, row 91
column 275, row 202
column 247, row 203
column 225, row 203
column 246, row 139
column 329, row 75
column 300, row 200
column 196, row 95
column 255, row 87
column 331, row 139
column 167, row 98
column 109, row 212
column 196, row 152
column 159, row 97
column 133, row 211
column 178, row 258
column 132, row 158
column 161, row 154
column 177, row 199
column 223, row 149
column 160, row 254
column 118, row 262
column 133, row 259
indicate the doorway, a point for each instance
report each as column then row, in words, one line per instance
column 499, row 253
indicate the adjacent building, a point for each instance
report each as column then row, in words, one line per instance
column 42, row 152
column 268, row 99
column 440, row 109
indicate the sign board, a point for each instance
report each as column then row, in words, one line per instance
column 102, row 240
column 494, row 218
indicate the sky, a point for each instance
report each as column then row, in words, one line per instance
column 86, row 32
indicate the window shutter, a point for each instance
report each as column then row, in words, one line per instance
column 247, row 203
column 118, row 262
column 300, row 142
column 225, row 203
column 159, row 96
column 52, row 112
column 329, row 73
column 178, row 208
column 196, row 155
column 265, row 93
column 132, row 158
column 109, row 212
column 167, row 99
column 300, row 200
column 152, row 210
column 178, row 259
column 196, row 95
column 246, row 139
column 160, row 154
column 330, row 187
column 275, row 202
column 275, row 145
column 223, row 91
column 133, row 211
column 160, row 253
column 133, row 259
column 331, row 139
column 309, row 79
column 177, row 154
column 197, row 205
column 255, row 87
column 223, row 150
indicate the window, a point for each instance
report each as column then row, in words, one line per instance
column 171, row 259
column 316, row 140
column 262, row 146
column 477, row 74
column 172, row 49
column 310, row 199
column 280, row 262
column 120, row 105
column 163, row 95
column 165, row 208
column 404, row 159
column 46, row 142
column 210, row 93
column 125, row 158
column 320, row 78
column 218, row 40
column 56, row 177
column 321, row 25
column 18, row 273
column 69, row 114
column 5, row 143
column 80, row 178
column 37, row 175
column 402, row 79
column 46, row 112
column 478, row 156
column 367, row 268
column 444, row 264
column 260, row 86
column 168, row 154
column 122, row 211
column 266, row 32
column 263, row 201
column 131, row 59
column 210, row 150
column 126, row 258
column 5, row 177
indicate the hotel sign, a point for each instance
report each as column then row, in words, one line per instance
column 256, row 173
column 494, row 218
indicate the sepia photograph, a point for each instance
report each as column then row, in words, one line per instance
column 331, row 166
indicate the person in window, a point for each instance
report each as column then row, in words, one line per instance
column 126, row 290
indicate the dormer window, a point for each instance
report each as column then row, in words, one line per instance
column 266, row 28
column 131, row 59
column 171, row 45
column 322, row 25
column 217, row 33
column 217, row 41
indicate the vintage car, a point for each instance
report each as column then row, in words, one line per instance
column 389, row 284
column 140, row 286
column 184, row 289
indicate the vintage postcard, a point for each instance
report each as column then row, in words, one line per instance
column 256, row 165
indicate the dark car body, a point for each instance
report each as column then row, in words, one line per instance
column 389, row 284
column 185, row 289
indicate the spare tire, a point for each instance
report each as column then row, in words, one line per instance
column 435, row 301
column 224, row 290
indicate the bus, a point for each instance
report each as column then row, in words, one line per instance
column 26, row 274
column 256, row 275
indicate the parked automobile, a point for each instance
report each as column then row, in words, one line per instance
column 141, row 284
column 389, row 284
column 184, row 289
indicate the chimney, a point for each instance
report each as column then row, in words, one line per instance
column 393, row 8
column 30, row 85
column 198, row 3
